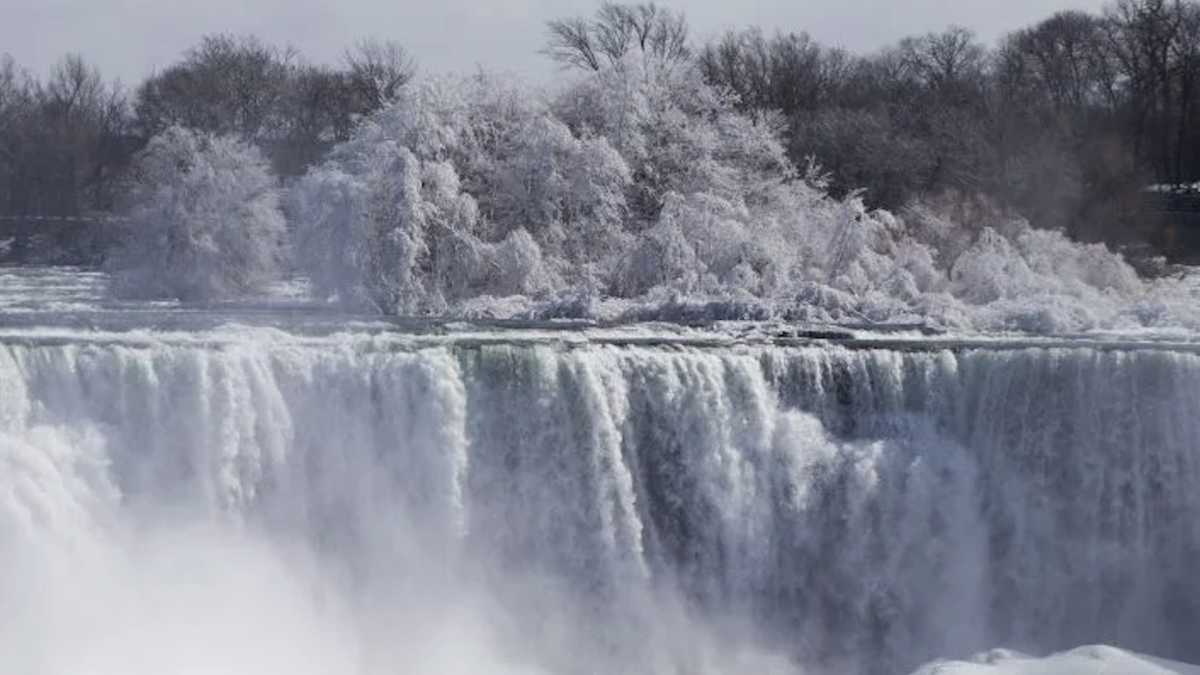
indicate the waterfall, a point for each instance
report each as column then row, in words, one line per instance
column 347, row 506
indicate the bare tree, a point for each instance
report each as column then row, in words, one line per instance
column 1186, row 55
column 1060, row 62
column 616, row 31
column 788, row 73
column 1142, row 35
column 742, row 63
column 225, row 85
column 377, row 69
column 571, row 44
column 63, row 145
column 14, row 96
column 943, row 61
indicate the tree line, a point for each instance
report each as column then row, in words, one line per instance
column 67, row 141
column 1065, row 122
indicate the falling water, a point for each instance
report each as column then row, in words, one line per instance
column 366, row 505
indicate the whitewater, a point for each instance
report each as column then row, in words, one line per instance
column 272, row 489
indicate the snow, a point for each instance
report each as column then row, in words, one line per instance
column 1091, row 660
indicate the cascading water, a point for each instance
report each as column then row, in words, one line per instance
column 370, row 505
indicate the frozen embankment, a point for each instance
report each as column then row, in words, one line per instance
column 250, row 501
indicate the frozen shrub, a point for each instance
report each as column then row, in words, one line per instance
column 204, row 220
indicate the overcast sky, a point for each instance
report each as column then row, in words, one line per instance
column 130, row 38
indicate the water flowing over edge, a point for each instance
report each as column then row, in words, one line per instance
column 593, row 506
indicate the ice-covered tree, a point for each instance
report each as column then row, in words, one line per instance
column 568, row 192
column 676, row 133
column 204, row 219
column 577, row 180
column 388, row 231
column 638, row 190
column 459, row 188
column 618, row 32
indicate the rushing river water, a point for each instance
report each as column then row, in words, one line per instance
column 270, row 489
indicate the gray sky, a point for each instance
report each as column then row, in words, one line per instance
column 129, row 38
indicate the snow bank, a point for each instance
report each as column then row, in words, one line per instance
column 1091, row 660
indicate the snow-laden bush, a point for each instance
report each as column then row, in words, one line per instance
column 569, row 192
column 676, row 133
column 387, row 221
column 640, row 187
column 204, row 219
column 396, row 235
